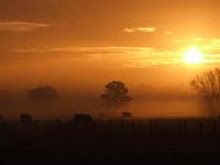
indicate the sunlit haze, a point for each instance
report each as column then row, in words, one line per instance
column 156, row 47
column 193, row 56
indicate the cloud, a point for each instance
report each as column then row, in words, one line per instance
column 132, row 57
column 21, row 26
column 198, row 39
column 140, row 29
column 168, row 32
column 136, row 57
column 179, row 41
column 117, row 51
column 214, row 44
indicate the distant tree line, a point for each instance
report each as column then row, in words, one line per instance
column 43, row 94
column 115, row 93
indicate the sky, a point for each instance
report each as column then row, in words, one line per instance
column 87, row 43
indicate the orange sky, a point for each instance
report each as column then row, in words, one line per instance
column 87, row 43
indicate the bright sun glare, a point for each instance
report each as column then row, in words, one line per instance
column 193, row 56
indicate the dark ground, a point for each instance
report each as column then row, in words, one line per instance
column 136, row 141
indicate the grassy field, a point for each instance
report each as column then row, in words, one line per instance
column 114, row 139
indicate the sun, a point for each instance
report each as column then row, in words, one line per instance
column 193, row 56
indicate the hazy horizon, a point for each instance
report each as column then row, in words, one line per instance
column 156, row 47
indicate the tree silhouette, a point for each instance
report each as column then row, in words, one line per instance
column 43, row 94
column 207, row 86
column 116, row 93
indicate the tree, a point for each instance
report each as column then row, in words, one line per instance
column 207, row 86
column 116, row 93
column 43, row 94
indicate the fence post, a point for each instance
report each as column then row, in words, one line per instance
column 184, row 128
column 133, row 128
column 214, row 128
column 151, row 127
column 201, row 126
column 156, row 126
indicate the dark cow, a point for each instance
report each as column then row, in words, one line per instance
column 126, row 114
column 83, row 121
column 101, row 115
column 2, row 125
column 26, row 121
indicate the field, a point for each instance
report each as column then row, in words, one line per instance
column 149, row 140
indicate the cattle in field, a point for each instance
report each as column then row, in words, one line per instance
column 2, row 125
column 26, row 121
column 102, row 115
column 83, row 121
column 126, row 114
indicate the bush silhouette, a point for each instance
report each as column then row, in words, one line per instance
column 116, row 93
column 26, row 121
column 207, row 86
column 83, row 120
column 126, row 114
column 43, row 94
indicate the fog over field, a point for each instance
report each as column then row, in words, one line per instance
column 152, row 104
column 79, row 46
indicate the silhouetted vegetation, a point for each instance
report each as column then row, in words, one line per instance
column 207, row 86
column 116, row 93
column 126, row 114
column 83, row 121
column 43, row 94
column 112, row 137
